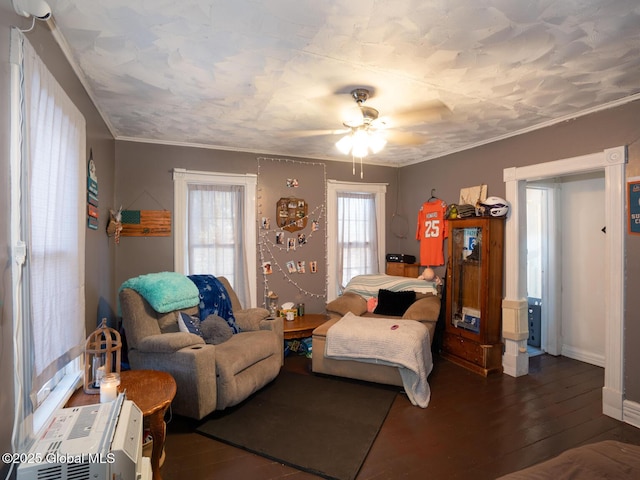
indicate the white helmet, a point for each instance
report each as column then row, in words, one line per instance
column 494, row 207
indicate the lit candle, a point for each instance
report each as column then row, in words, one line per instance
column 109, row 388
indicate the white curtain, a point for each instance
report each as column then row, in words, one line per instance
column 53, row 206
column 216, row 236
column 357, row 236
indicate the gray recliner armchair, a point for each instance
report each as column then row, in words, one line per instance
column 208, row 377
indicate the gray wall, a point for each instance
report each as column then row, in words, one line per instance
column 144, row 182
column 100, row 253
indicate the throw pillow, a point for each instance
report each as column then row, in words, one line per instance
column 215, row 330
column 394, row 303
column 372, row 303
column 189, row 324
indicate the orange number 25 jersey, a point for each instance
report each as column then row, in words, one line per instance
column 431, row 231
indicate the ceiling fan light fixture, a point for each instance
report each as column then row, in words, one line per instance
column 344, row 144
column 376, row 142
column 364, row 136
column 360, row 146
column 360, row 141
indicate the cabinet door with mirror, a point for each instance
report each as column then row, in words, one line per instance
column 474, row 293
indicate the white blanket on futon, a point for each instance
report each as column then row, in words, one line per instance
column 401, row 343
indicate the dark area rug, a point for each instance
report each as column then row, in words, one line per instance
column 322, row 425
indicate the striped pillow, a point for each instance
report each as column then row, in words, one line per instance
column 368, row 285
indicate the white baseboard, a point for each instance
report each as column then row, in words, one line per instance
column 631, row 413
column 583, row 356
column 612, row 403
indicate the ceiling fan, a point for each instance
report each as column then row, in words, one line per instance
column 365, row 116
column 364, row 120
column 364, row 128
column 367, row 132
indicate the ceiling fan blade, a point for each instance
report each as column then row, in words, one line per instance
column 314, row 133
column 379, row 124
column 405, row 138
column 431, row 111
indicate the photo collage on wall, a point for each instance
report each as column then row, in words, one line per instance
column 292, row 215
column 292, row 244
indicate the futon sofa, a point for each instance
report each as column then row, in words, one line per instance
column 208, row 376
column 384, row 296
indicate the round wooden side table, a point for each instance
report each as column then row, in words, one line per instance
column 303, row 326
column 152, row 391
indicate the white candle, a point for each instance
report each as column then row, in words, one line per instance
column 99, row 374
column 109, row 388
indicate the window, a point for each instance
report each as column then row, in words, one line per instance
column 48, row 189
column 355, row 230
column 215, row 226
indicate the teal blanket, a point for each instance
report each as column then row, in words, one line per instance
column 165, row 291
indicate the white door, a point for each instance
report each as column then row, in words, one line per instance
column 583, row 267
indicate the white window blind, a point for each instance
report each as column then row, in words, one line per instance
column 48, row 196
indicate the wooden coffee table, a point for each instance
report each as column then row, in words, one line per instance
column 303, row 326
column 152, row 391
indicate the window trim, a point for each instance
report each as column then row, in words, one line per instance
column 182, row 178
column 333, row 188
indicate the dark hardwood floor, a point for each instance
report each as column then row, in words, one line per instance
column 474, row 428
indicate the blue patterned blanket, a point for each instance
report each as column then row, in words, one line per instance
column 214, row 299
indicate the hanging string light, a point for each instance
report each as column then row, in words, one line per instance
column 269, row 250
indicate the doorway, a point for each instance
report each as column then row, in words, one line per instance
column 514, row 313
column 565, row 266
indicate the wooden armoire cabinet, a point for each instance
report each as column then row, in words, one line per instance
column 473, row 323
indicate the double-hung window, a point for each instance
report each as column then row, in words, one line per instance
column 215, row 225
column 356, row 218
column 48, row 198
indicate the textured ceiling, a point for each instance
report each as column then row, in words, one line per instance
column 250, row 75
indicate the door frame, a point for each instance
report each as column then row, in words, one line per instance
column 514, row 311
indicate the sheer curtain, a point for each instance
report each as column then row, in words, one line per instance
column 215, row 227
column 51, row 201
column 357, row 235
column 216, row 234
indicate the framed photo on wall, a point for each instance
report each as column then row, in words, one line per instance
column 291, row 213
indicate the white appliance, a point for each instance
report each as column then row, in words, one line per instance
column 92, row 442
